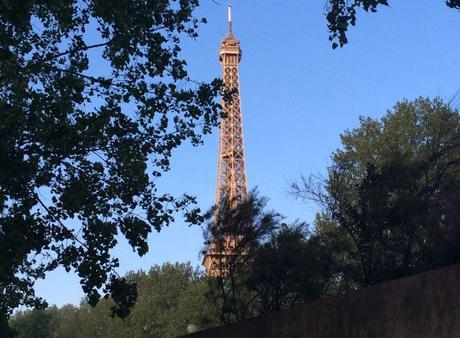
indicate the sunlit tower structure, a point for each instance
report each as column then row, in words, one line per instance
column 231, row 171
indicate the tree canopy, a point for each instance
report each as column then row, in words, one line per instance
column 272, row 265
column 342, row 13
column 94, row 98
column 171, row 297
column 391, row 197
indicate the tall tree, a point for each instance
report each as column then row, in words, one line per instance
column 236, row 228
column 342, row 13
column 94, row 98
column 269, row 265
column 393, row 193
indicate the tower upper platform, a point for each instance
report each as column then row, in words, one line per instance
column 230, row 45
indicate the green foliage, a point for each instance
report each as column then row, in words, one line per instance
column 342, row 13
column 34, row 324
column 173, row 297
column 340, row 250
column 239, row 227
column 94, row 98
column 289, row 269
column 170, row 298
column 392, row 194
column 272, row 266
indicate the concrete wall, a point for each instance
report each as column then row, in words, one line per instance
column 424, row 305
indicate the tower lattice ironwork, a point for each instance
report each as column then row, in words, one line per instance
column 231, row 172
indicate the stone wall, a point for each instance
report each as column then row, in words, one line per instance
column 423, row 305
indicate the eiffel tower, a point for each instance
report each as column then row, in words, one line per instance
column 231, row 172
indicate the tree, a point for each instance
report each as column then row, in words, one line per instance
column 393, row 192
column 289, row 269
column 69, row 322
column 341, row 14
column 236, row 228
column 33, row 324
column 339, row 250
column 269, row 266
column 88, row 122
column 171, row 297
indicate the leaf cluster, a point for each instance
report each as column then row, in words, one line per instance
column 340, row 14
column 94, row 98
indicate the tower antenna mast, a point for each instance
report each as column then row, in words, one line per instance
column 229, row 19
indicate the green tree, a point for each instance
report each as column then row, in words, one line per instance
column 239, row 227
column 338, row 246
column 69, row 322
column 272, row 266
column 392, row 193
column 33, row 324
column 171, row 297
column 342, row 13
column 289, row 269
column 94, row 98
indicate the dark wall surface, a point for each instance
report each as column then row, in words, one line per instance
column 423, row 305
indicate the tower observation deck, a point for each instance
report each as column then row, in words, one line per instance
column 231, row 171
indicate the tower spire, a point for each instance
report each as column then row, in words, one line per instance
column 229, row 20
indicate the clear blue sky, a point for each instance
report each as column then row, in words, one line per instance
column 298, row 95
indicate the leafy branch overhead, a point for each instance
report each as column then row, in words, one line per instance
column 342, row 13
column 94, row 98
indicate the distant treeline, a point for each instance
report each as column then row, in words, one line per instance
column 170, row 298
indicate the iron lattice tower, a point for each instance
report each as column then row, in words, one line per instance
column 231, row 171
